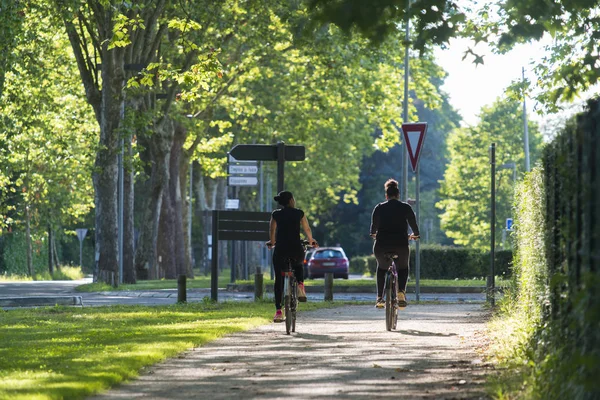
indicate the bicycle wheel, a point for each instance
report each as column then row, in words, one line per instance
column 294, row 304
column 395, row 306
column 287, row 305
column 389, row 304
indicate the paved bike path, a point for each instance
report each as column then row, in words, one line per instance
column 337, row 353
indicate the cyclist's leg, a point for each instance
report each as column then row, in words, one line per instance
column 402, row 269
column 402, row 266
column 278, row 266
column 383, row 264
column 298, row 269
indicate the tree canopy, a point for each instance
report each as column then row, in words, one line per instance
column 465, row 190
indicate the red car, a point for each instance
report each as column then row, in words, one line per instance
column 328, row 259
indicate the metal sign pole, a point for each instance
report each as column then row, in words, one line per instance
column 418, row 254
column 280, row 165
column 491, row 283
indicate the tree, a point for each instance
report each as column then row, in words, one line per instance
column 435, row 21
column 46, row 133
column 347, row 223
column 12, row 14
column 465, row 190
column 571, row 64
column 569, row 68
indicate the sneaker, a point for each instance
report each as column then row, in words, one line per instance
column 301, row 293
column 402, row 303
column 278, row 316
column 379, row 303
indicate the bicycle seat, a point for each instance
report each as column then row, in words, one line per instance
column 391, row 254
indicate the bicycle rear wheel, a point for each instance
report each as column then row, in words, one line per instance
column 287, row 305
column 294, row 305
column 389, row 304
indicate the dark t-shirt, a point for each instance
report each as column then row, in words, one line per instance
column 287, row 236
column 390, row 221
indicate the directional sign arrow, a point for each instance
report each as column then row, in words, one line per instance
column 267, row 152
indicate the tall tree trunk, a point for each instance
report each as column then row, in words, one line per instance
column 50, row 257
column 28, row 241
column 159, row 145
column 171, row 236
column 187, row 211
column 129, row 275
column 105, row 175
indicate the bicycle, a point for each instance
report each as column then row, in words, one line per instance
column 290, row 293
column 290, row 290
column 391, row 293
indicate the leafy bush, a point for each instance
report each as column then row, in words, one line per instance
column 445, row 262
column 549, row 324
column 14, row 255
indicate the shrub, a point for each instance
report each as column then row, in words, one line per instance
column 14, row 255
column 446, row 262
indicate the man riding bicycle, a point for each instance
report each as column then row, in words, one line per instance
column 284, row 229
column 389, row 227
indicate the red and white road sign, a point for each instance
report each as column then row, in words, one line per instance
column 414, row 136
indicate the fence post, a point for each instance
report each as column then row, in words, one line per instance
column 181, row 289
column 328, row 286
column 258, row 284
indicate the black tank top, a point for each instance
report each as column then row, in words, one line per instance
column 287, row 236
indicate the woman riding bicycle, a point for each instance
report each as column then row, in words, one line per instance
column 284, row 229
column 389, row 227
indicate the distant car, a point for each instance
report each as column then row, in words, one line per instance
column 307, row 257
column 328, row 259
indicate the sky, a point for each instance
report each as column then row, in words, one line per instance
column 470, row 87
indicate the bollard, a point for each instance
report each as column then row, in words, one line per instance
column 328, row 287
column 258, row 284
column 181, row 289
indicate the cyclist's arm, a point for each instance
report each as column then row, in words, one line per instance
column 412, row 221
column 375, row 221
column 307, row 231
column 272, row 230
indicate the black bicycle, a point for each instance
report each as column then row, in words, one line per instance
column 290, row 293
column 391, row 293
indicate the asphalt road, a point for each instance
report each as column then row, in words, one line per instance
column 169, row 296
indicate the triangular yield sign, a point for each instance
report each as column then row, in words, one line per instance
column 414, row 136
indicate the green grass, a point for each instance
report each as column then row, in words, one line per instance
column 62, row 274
column 71, row 353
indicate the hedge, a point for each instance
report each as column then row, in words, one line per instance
column 445, row 262
column 555, row 310
column 13, row 254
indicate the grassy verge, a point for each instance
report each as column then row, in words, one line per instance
column 224, row 278
column 59, row 352
column 62, row 274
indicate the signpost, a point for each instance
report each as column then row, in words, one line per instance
column 232, row 204
column 414, row 136
column 81, row 235
column 279, row 152
column 242, row 181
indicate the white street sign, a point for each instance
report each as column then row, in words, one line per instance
column 81, row 234
column 232, row 204
column 243, row 169
column 242, row 181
